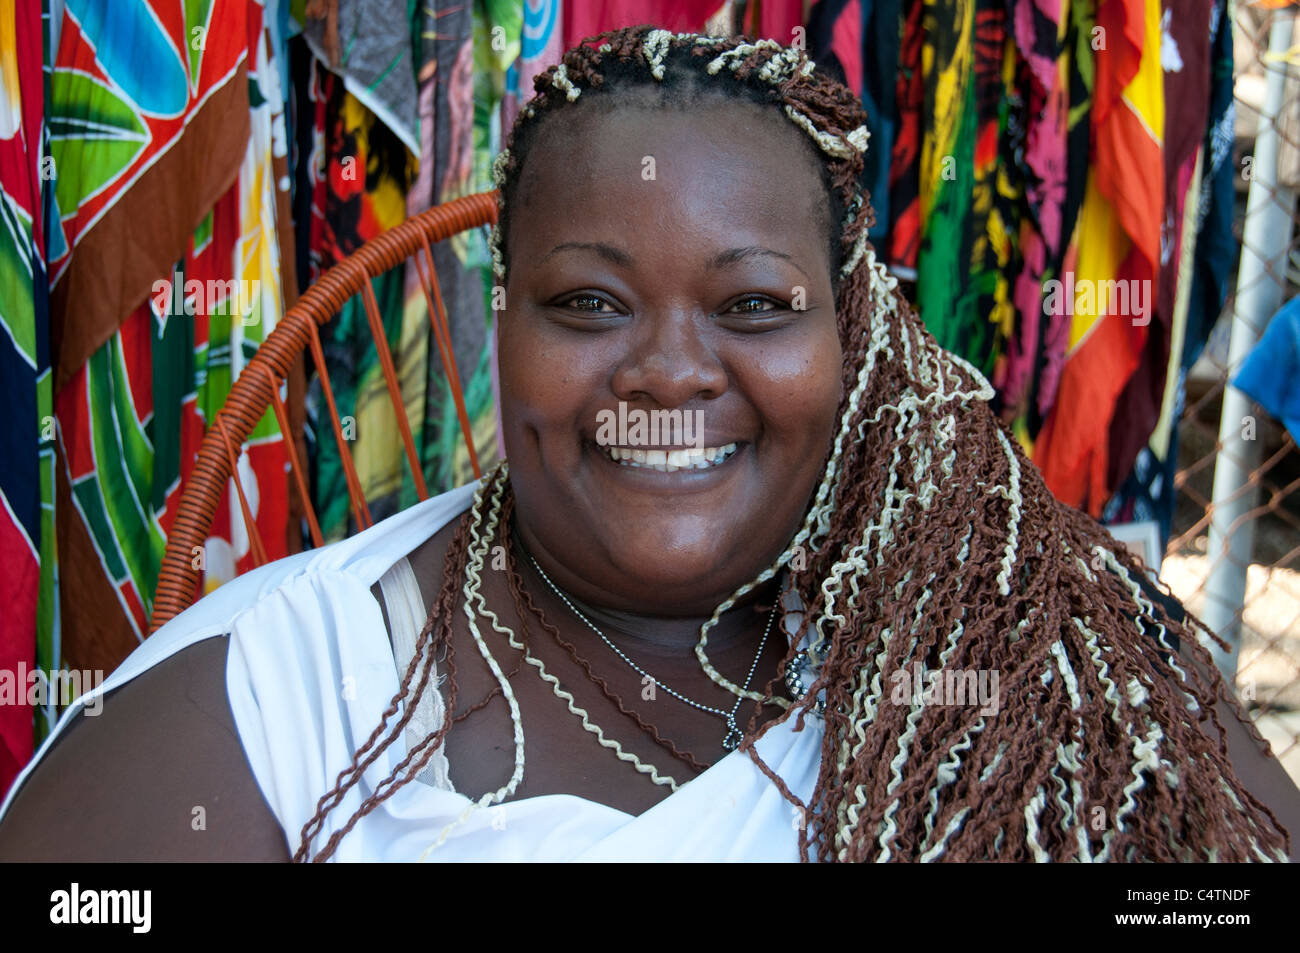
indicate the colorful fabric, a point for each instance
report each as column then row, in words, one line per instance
column 859, row 40
column 967, row 247
column 1184, row 43
column 584, row 18
column 1216, row 247
column 1054, row 341
column 904, row 241
column 460, row 162
column 27, row 549
column 361, row 194
column 131, row 419
column 1118, row 241
column 370, row 184
column 374, row 46
column 148, row 115
column 878, row 58
column 1148, row 491
column 1040, row 33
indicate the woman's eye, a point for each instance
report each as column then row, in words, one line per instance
column 765, row 305
column 585, row 302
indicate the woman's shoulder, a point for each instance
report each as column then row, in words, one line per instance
column 154, row 773
column 277, row 662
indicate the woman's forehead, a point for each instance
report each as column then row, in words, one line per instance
column 737, row 163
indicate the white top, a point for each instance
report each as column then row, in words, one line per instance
column 310, row 670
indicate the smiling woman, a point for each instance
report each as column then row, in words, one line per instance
column 635, row 643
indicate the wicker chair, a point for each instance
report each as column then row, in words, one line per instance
column 258, row 387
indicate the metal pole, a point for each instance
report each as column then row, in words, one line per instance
column 1265, row 241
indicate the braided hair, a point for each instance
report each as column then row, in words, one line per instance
column 931, row 541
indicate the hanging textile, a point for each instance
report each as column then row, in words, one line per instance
column 1118, row 247
column 584, row 18
column 1270, row 375
column 459, row 163
column 369, row 43
column 834, row 42
column 370, row 183
column 1184, row 60
column 904, row 241
column 131, row 418
column 1040, row 32
column 148, row 116
column 1057, row 310
column 873, row 55
column 1216, row 248
column 539, row 35
column 27, row 549
column 361, row 193
column 965, row 189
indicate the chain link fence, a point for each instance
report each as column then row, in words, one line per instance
column 1233, row 556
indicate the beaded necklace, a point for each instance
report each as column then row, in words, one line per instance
column 734, row 735
column 483, row 531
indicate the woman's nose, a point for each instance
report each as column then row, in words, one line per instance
column 670, row 362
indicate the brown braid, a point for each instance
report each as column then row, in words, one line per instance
column 440, row 617
column 933, row 540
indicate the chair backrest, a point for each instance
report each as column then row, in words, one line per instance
column 258, row 387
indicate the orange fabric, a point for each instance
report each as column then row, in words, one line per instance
column 1129, row 158
column 1071, row 448
column 1117, row 238
column 1117, row 42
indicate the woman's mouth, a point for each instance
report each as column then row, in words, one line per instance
column 670, row 461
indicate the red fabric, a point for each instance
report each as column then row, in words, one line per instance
column 1129, row 166
column 1072, row 449
column 20, row 578
column 1121, row 30
column 847, row 44
column 18, row 587
column 590, row 17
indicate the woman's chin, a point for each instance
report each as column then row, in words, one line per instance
column 679, row 580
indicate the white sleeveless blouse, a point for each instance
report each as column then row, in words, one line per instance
column 310, row 670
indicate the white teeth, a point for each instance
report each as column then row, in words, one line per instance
column 671, row 461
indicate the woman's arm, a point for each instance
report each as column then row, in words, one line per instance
column 158, row 775
column 1256, row 768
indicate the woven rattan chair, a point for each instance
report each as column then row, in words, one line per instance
column 258, row 387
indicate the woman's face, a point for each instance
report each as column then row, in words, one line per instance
column 667, row 261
